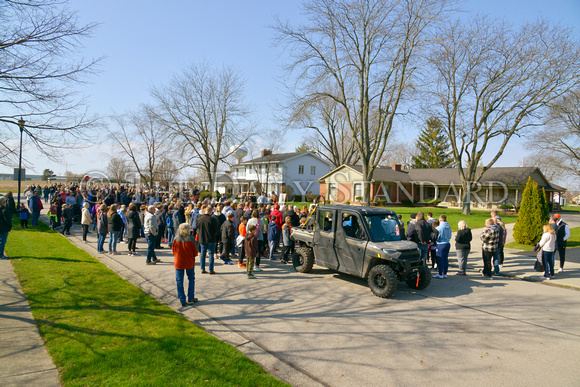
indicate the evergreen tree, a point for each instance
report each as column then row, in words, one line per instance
column 47, row 174
column 528, row 227
column 544, row 207
column 433, row 147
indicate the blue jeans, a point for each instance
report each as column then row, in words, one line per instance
column 3, row 239
column 496, row 262
column 205, row 249
column 179, row 274
column 443, row 257
column 101, row 242
column 151, row 240
column 35, row 216
column 424, row 250
column 113, row 238
column 169, row 236
column 548, row 261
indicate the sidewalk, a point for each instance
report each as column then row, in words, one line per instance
column 24, row 359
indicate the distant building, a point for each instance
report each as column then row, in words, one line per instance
column 295, row 173
column 396, row 185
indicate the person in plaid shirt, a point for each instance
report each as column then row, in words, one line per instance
column 490, row 239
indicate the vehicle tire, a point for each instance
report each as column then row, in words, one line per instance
column 382, row 281
column 303, row 260
column 424, row 279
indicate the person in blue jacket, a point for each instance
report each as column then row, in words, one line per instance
column 272, row 236
column 443, row 247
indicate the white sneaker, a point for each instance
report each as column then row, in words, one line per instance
column 444, row 275
column 435, row 266
column 257, row 269
column 560, row 270
column 501, row 266
column 437, row 276
column 544, row 278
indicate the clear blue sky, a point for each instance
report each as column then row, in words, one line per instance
column 145, row 41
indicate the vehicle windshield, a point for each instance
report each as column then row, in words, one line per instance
column 383, row 227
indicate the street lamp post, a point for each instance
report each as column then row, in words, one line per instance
column 21, row 125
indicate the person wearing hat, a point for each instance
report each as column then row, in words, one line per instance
column 279, row 221
column 562, row 235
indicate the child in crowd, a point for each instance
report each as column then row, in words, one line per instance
column 52, row 216
column 287, row 239
column 251, row 249
column 24, row 215
column 240, row 241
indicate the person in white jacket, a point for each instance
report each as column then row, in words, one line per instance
column 150, row 228
column 548, row 246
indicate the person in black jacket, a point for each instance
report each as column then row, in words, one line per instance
column 133, row 228
column 115, row 224
column 5, row 225
column 462, row 246
column 207, row 228
column 420, row 233
column 220, row 219
column 228, row 237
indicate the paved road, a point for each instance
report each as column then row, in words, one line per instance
column 325, row 328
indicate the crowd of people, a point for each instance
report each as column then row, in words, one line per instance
column 217, row 228
column 433, row 237
column 207, row 227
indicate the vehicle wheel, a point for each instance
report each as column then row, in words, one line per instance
column 303, row 259
column 382, row 281
column 424, row 279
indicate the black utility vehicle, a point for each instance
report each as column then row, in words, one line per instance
column 361, row 241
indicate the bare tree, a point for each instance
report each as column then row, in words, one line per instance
column 493, row 82
column 331, row 136
column 558, row 144
column 166, row 172
column 362, row 55
column 39, row 45
column 268, row 167
column 118, row 169
column 143, row 139
column 205, row 111
column 398, row 152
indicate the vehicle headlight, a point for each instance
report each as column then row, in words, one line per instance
column 393, row 253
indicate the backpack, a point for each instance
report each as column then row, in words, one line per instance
column 169, row 221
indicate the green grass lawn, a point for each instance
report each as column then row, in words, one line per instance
column 571, row 208
column 102, row 330
column 573, row 241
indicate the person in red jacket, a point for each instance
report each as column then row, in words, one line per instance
column 279, row 222
column 184, row 251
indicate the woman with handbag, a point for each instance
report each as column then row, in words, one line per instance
column 548, row 247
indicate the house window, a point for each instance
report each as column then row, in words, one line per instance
column 313, row 170
column 332, row 191
column 301, row 169
column 357, row 191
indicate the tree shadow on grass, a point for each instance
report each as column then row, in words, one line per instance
column 59, row 259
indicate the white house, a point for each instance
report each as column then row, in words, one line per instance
column 294, row 173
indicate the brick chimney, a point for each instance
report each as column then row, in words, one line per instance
column 266, row 152
column 397, row 167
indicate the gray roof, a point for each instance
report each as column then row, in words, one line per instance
column 275, row 157
column 511, row 176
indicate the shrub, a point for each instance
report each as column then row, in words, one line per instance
column 528, row 227
column 544, row 208
column 408, row 202
column 506, row 207
column 347, row 202
column 358, row 198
